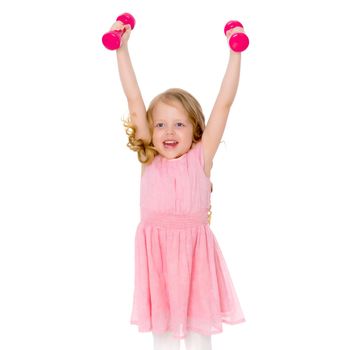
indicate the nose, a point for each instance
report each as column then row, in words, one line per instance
column 169, row 131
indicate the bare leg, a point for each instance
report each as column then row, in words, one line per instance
column 196, row 341
column 165, row 341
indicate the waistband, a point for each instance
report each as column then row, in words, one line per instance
column 174, row 220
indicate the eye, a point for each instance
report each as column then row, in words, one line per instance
column 179, row 124
column 159, row 125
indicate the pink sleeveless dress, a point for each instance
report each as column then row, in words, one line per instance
column 182, row 282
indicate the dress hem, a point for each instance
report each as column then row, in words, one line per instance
column 189, row 329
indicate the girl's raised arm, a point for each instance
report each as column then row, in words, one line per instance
column 217, row 121
column 130, row 86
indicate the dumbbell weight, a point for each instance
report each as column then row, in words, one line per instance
column 112, row 39
column 238, row 41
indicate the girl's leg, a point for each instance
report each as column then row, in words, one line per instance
column 165, row 341
column 196, row 341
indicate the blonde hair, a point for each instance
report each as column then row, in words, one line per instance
column 145, row 149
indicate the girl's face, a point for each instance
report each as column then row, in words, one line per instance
column 172, row 130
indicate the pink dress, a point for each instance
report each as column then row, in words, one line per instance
column 182, row 282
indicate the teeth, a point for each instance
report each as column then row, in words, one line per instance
column 170, row 142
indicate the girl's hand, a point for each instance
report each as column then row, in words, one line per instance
column 234, row 30
column 229, row 33
column 118, row 25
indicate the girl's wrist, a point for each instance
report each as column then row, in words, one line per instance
column 234, row 53
column 122, row 49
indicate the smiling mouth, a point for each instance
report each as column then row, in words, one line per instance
column 170, row 144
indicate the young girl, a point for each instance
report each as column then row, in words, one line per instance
column 183, row 288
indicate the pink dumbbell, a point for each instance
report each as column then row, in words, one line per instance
column 112, row 39
column 238, row 41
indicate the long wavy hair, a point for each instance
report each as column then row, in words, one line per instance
column 145, row 148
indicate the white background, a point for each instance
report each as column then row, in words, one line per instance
column 70, row 187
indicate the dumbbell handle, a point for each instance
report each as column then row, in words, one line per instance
column 112, row 39
column 238, row 41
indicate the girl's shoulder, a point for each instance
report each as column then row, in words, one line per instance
column 145, row 166
column 206, row 163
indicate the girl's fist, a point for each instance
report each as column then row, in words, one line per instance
column 234, row 30
column 120, row 26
